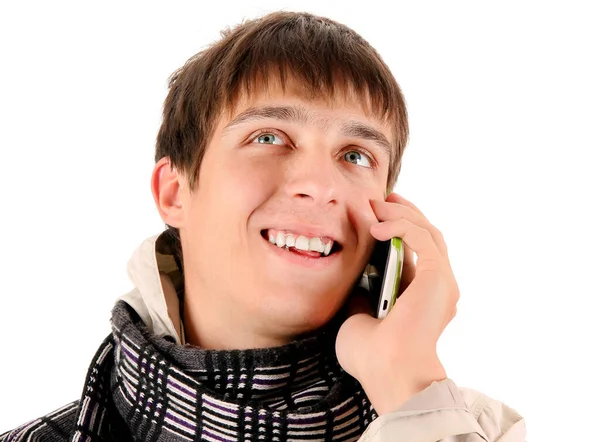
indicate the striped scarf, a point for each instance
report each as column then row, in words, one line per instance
column 143, row 387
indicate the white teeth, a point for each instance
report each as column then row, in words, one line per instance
column 315, row 244
column 302, row 243
column 280, row 240
column 290, row 241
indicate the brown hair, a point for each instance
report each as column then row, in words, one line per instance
column 325, row 56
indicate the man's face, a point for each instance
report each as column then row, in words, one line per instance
column 282, row 166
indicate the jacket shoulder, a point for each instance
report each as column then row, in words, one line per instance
column 53, row 427
column 497, row 420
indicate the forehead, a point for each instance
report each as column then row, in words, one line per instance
column 295, row 101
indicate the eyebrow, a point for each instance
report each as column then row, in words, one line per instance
column 284, row 113
column 354, row 129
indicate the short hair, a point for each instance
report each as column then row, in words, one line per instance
column 324, row 56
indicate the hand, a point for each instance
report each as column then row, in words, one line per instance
column 396, row 357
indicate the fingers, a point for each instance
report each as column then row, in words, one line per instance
column 396, row 198
column 417, row 238
column 397, row 207
column 409, row 268
column 386, row 210
column 437, row 235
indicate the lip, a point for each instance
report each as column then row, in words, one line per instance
column 304, row 261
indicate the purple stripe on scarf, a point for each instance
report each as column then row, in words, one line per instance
column 131, row 355
column 180, row 421
column 214, row 435
column 182, row 388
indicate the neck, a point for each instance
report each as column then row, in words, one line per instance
column 213, row 323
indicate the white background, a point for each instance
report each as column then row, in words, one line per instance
column 503, row 158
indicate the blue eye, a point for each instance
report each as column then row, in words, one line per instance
column 268, row 138
column 355, row 157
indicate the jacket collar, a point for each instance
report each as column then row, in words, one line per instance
column 158, row 286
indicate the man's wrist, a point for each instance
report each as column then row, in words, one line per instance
column 388, row 392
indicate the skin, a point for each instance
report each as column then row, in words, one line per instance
column 396, row 357
column 308, row 174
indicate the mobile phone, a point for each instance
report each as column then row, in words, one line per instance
column 382, row 276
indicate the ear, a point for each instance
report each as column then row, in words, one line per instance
column 166, row 190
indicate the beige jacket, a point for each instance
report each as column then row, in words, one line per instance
column 441, row 412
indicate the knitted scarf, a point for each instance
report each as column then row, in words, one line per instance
column 143, row 387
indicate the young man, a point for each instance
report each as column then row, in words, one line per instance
column 275, row 161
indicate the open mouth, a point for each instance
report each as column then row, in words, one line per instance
column 308, row 247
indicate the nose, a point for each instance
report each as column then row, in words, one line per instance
column 311, row 177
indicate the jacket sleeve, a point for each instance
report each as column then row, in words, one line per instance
column 443, row 412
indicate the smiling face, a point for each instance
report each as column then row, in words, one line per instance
column 282, row 169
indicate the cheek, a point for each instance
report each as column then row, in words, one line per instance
column 249, row 174
column 237, row 186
